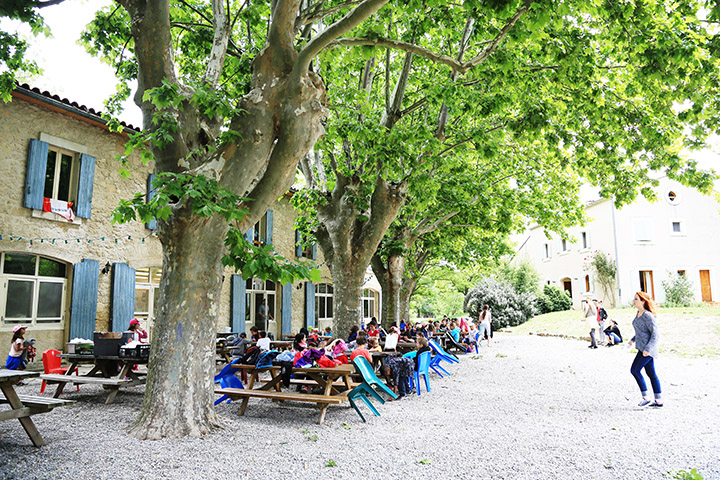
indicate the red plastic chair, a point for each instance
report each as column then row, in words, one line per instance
column 51, row 364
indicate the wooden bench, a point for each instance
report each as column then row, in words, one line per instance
column 323, row 401
column 312, row 383
column 31, row 406
column 112, row 384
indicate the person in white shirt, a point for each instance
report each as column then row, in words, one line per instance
column 485, row 324
column 263, row 342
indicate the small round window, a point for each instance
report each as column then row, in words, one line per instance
column 673, row 197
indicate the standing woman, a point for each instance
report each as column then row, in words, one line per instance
column 646, row 340
column 485, row 324
column 591, row 321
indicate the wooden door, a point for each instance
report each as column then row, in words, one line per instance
column 705, row 285
column 646, row 283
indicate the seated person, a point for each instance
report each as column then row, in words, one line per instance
column 300, row 344
column 455, row 332
column 373, row 345
column 422, row 346
column 353, row 345
column 241, row 342
column 139, row 335
column 392, row 338
column 372, row 330
column 353, row 333
column 328, row 331
column 398, row 371
column 254, row 334
column 263, row 342
column 361, row 349
column 612, row 333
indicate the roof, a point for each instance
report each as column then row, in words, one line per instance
column 65, row 106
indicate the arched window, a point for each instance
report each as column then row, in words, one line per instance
column 32, row 289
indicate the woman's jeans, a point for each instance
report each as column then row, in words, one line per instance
column 648, row 364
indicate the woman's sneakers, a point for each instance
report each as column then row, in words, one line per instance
column 655, row 404
column 644, row 403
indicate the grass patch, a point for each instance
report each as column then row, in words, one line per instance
column 684, row 331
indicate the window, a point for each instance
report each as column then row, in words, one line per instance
column 324, row 303
column 32, row 289
column 302, row 250
column 681, row 273
column 584, row 240
column 147, row 290
column 61, row 175
column 369, row 301
column 643, row 230
column 587, row 284
column 673, row 197
column 59, row 170
column 564, row 244
column 676, row 227
column 546, row 251
column 260, row 303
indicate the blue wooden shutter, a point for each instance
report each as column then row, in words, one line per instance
column 298, row 244
column 269, row 228
column 309, row 304
column 85, row 186
column 152, row 225
column 249, row 235
column 237, row 303
column 286, row 324
column 314, row 252
column 35, row 174
column 122, row 302
column 84, row 298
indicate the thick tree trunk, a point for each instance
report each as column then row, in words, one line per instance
column 347, row 307
column 381, row 273
column 404, row 296
column 179, row 391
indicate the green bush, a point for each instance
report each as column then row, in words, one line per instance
column 678, row 291
column 553, row 300
column 522, row 277
column 508, row 307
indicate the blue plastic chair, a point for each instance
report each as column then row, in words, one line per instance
column 423, row 365
column 366, row 389
column 445, row 355
column 227, row 379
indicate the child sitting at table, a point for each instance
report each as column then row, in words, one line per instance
column 373, row 345
column 263, row 342
column 361, row 349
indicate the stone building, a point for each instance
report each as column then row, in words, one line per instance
column 67, row 279
column 647, row 241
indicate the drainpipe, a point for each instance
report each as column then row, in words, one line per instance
column 617, row 257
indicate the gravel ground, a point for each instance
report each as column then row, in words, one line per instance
column 526, row 408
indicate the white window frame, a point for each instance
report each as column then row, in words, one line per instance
column 321, row 299
column 643, row 230
column 546, row 251
column 683, row 230
column 369, row 298
column 153, row 289
column 46, row 323
column 253, row 287
column 585, row 247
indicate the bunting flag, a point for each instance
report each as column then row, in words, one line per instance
column 64, row 209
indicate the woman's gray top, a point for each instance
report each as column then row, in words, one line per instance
column 646, row 333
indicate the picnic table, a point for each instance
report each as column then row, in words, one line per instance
column 225, row 352
column 23, row 407
column 334, row 382
column 104, row 372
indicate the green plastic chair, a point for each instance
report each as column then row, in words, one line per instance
column 365, row 390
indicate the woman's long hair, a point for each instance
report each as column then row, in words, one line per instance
column 17, row 335
column 648, row 304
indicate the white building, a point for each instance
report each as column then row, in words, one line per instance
column 679, row 233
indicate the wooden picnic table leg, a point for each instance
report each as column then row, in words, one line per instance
column 112, row 395
column 251, row 382
column 323, row 410
column 26, row 422
column 59, row 389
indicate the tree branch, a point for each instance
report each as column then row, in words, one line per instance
column 498, row 38
column 397, row 45
column 351, row 20
column 48, row 3
column 221, row 37
column 316, row 14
